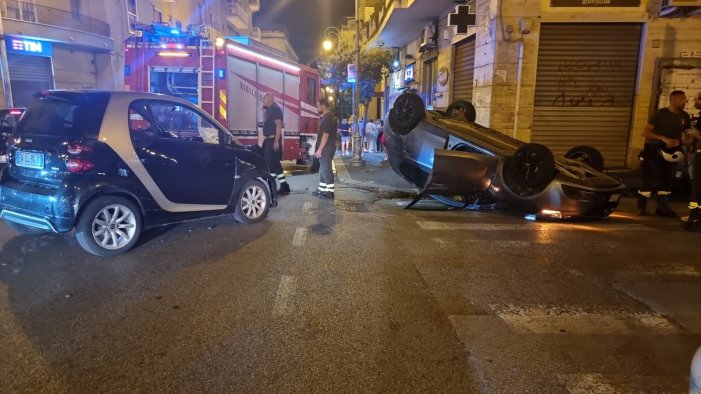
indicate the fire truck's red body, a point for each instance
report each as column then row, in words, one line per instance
column 228, row 81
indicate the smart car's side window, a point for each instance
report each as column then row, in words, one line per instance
column 179, row 121
column 141, row 130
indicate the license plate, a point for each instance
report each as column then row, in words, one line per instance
column 614, row 197
column 30, row 160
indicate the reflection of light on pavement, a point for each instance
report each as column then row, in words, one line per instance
column 5, row 234
column 545, row 233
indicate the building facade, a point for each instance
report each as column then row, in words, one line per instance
column 78, row 44
column 558, row 72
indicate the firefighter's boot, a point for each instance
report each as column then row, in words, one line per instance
column 663, row 208
column 693, row 223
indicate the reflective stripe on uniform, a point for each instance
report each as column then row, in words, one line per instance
column 645, row 194
column 663, row 193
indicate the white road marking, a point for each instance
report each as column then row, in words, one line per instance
column 663, row 270
column 283, row 299
column 300, row 236
column 437, row 226
column 596, row 383
column 554, row 320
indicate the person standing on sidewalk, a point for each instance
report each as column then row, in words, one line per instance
column 379, row 125
column 327, row 149
column 370, row 136
column 344, row 129
column 693, row 222
column 272, row 141
column 663, row 138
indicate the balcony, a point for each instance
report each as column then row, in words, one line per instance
column 238, row 12
column 54, row 24
column 396, row 22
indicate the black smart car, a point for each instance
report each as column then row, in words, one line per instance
column 111, row 164
column 8, row 121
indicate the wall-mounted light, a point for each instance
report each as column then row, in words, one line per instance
column 219, row 42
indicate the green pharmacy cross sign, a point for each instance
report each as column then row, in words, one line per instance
column 462, row 18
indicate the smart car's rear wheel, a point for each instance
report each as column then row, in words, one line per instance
column 530, row 169
column 465, row 106
column 587, row 155
column 407, row 111
column 109, row 226
column 25, row 230
column 253, row 203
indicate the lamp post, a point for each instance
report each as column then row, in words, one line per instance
column 357, row 160
column 331, row 31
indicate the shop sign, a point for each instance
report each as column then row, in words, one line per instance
column 595, row 3
column 25, row 46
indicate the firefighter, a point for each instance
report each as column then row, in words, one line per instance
column 662, row 153
column 693, row 222
column 272, row 140
column 326, row 150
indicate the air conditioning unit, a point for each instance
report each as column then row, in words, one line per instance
column 428, row 38
column 678, row 8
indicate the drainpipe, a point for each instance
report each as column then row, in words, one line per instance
column 519, row 73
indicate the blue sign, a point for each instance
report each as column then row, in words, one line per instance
column 26, row 46
column 352, row 73
column 409, row 73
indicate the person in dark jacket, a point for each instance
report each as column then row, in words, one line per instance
column 327, row 149
column 272, row 142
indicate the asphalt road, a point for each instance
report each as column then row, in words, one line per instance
column 356, row 295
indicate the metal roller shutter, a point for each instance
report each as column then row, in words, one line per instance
column 28, row 74
column 464, row 67
column 585, row 87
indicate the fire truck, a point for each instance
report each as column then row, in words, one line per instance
column 227, row 78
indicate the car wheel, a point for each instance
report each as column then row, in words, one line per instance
column 587, row 155
column 465, row 106
column 109, row 226
column 25, row 230
column 532, row 167
column 253, row 203
column 407, row 111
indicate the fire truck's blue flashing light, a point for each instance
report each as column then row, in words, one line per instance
column 245, row 40
column 221, row 73
column 175, row 32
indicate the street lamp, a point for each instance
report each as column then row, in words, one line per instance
column 331, row 32
column 357, row 160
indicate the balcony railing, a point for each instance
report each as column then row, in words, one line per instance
column 29, row 12
column 372, row 26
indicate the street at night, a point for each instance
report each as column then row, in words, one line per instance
column 357, row 295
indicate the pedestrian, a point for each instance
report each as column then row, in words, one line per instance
column 328, row 127
column 344, row 129
column 272, row 140
column 370, row 136
column 380, row 126
column 662, row 153
column 693, row 222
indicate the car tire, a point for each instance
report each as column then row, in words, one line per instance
column 531, row 167
column 465, row 106
column 253, row 203
column 408, row 110
column 109, row 226
column 25, row 230
column 587, row 155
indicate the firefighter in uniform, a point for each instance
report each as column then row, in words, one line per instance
column 693, row 222
column 326, row 150
column 272, row 140
column 662, row 154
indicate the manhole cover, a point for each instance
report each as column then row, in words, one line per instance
column 353, row 206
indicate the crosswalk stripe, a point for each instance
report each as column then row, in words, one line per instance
column 445, row 226
column 300, row 236
column 574, row 320
column 284, row 294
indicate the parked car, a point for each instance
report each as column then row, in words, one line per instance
column 112, row 164
column 8, row 121
column 460, row 163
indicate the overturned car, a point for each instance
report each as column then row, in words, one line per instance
column 462, row 164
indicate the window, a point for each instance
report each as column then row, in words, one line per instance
column 75, row 7
column 65, row 114
column 131, row 14
column 157, row 15
column 172, row 121
column 428, row 87
column 311, row 91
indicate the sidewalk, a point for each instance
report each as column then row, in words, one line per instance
column 375, row 176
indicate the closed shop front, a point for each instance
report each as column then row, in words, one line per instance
column 464, row 69
column 74, row 69
column 585, row 87
column 30, row 68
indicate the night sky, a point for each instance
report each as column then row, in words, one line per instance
column 305, row 20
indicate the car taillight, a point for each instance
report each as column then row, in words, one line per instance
column 79, row 165
column 75, row 148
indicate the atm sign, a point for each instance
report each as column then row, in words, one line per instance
column 26, row 46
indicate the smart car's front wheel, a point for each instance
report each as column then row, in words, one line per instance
column 109, row 226
column 253, row 203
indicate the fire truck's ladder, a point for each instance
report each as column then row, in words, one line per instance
column 207, row 77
